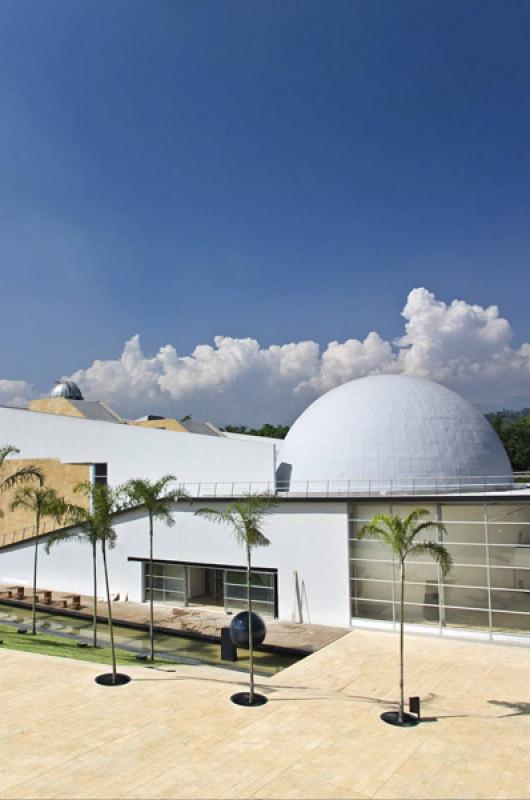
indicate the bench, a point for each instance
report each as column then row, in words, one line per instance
column 46, row 597
column 76, row 601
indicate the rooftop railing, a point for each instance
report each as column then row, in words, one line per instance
column 360, row 488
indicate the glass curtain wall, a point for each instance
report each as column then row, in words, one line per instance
column 170, row 585
column 261, row 591
column 487, row 588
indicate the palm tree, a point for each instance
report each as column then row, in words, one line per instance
column 401, row 536
column 86, row 533
column 18, row 476
column 157, row 497
column 245, row 517
column 96, row 524
column 42, row 501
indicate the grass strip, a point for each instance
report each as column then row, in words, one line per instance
column 49, row 645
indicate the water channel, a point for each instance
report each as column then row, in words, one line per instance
column 180, row 649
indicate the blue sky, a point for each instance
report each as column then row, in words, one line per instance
column 281, row 170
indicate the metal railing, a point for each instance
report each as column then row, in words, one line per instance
column 357, row 488
column 12, row 537
column 327, row 488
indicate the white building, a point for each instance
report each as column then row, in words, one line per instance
column 388, row 443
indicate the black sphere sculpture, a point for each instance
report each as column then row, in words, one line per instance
column 239, row 632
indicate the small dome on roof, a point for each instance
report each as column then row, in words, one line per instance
column 67, row 389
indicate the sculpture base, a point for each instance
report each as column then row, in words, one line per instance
column 243, row 699
column 392, row 718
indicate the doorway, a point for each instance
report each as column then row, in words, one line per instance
column 206, row 586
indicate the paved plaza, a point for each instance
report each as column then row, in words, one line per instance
column 175, row 734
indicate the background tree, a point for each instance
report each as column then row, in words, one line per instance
column 513, row 429
column 96, row 524
column 401, row 537
column 43, row 502
column 245, row 518
column 157, row 497
column 273, row 431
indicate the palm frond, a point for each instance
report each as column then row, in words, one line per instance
column 387, row 529
column 428, row 525
column 214, row 515
column 7, row 450
column 438, row 552
column 21, row 476
column 414, row 516
column 245, row 517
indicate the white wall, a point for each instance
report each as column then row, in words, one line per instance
column 132, row 451
column 309, row 537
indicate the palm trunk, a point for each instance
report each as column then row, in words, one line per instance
column 95, row 596
column 109, row 610
column 34, row 598
column 151, row 609
column 402, row 644
column 250, row 636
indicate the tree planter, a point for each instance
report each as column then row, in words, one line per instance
column 392, row 718
column 243, row 699
column 107, row 679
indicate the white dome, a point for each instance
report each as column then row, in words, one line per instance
column 392, row 432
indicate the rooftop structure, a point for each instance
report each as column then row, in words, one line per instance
column 388, row 433
column 68, row 389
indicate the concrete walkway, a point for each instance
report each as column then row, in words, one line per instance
column 176, row 734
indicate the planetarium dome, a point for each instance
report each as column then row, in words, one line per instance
column 389, row 433
column 68, row 389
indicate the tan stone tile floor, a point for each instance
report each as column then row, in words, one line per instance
column 176, row 734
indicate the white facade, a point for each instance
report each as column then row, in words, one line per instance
column 133, row 451
column 360, row 443
column 309, row 539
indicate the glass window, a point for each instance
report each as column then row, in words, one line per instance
column 417, row 572
column 466, row 618
column 467, row 554
column 370, row 548
column 510, row 556
column 510, row 600
column 381, row 570
column 509, row 512
column 421, row 614
column 372, row 610
column 462, row 512
column 372, row 590
column 464, row 533
column 509, row 533
column 462, row 596
column 365, row 511
column 467, row 576
column 506, row 577
column 510, row 622
column 404, row 509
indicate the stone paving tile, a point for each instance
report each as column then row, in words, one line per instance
column 177, row 735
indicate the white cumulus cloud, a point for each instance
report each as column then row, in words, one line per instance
column 466, row 347
column 15, row 393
